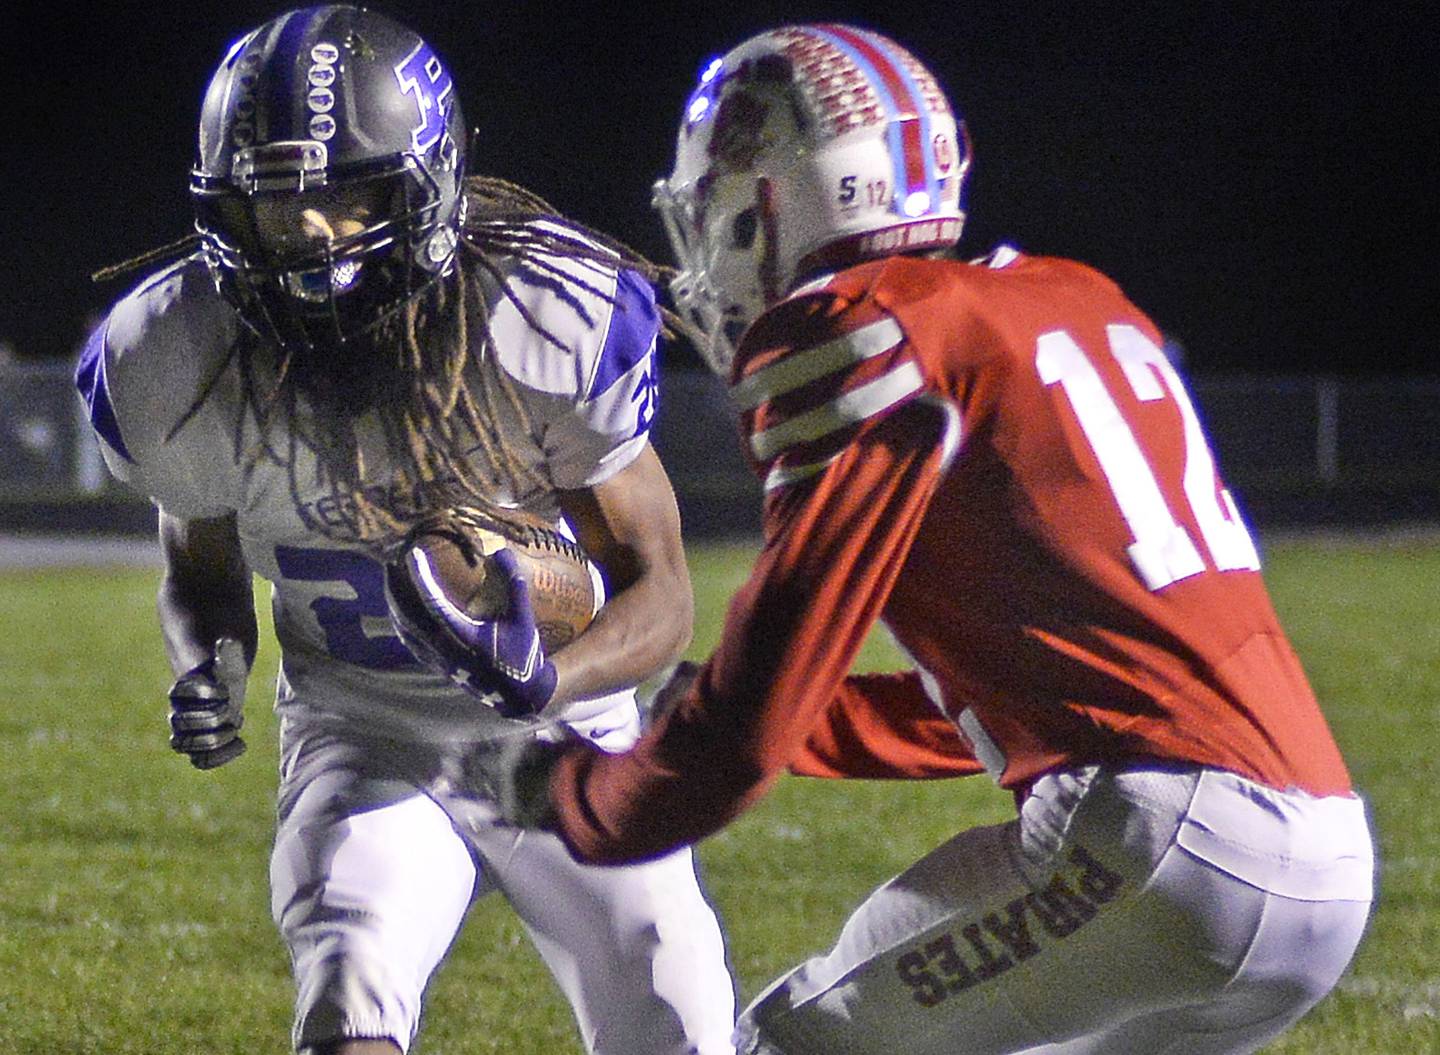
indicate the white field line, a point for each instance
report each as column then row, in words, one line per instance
column 1415, row 999
column 1393, row 535
column 43, row 551
column 90, row 551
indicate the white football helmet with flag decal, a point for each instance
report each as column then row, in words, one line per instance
column 804, row 149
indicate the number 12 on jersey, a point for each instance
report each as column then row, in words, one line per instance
column 1162, row 551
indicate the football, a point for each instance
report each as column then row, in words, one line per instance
column 455, row 549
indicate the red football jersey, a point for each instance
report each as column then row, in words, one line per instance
column 997, row 459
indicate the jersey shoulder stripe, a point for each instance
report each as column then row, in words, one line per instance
column 782, row 474
column 786, row 472
column 572, row 327
column 821, row 371
column 630, row 336
column 850, row 408
column 803, row 366
column 94, row 389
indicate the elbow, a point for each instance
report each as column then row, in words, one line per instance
column 668, row 603
column 681, row 622
column 661, row 636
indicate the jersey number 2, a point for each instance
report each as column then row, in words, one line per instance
column 348, row 622
column 1162, row 551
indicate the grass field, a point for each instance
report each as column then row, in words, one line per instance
column 133, row 908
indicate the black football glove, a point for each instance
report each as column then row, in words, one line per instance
column 659, row 696
column 515, row 773
column 207, row 707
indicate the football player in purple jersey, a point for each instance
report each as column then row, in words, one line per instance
column 359, row 332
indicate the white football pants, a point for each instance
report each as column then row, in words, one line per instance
column 1141, row 912
column 371, row 879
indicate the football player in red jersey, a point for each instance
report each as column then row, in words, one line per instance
column 996, row 459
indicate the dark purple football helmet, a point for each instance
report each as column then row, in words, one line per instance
column 327, row 186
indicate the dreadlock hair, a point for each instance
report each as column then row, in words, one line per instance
column 411, row 377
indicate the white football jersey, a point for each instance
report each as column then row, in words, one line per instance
column 589, row 410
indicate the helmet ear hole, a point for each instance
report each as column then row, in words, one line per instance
column 744, row 228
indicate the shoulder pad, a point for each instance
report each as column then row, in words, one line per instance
column 143, row 369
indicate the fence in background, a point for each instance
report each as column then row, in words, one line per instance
column 1296, row 450
column 47, row 452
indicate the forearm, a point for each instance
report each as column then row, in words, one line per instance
column 884, row 727
column 724, row 742
column 642, row 630
column 205, row 593
column 192, row 620
column 630, row 527
column 206, row 606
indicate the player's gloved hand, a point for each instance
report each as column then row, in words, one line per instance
column 499, row 661
column 516, row 774
column 207, row 707
column 667, row 689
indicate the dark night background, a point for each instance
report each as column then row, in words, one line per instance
column 1261, row 181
